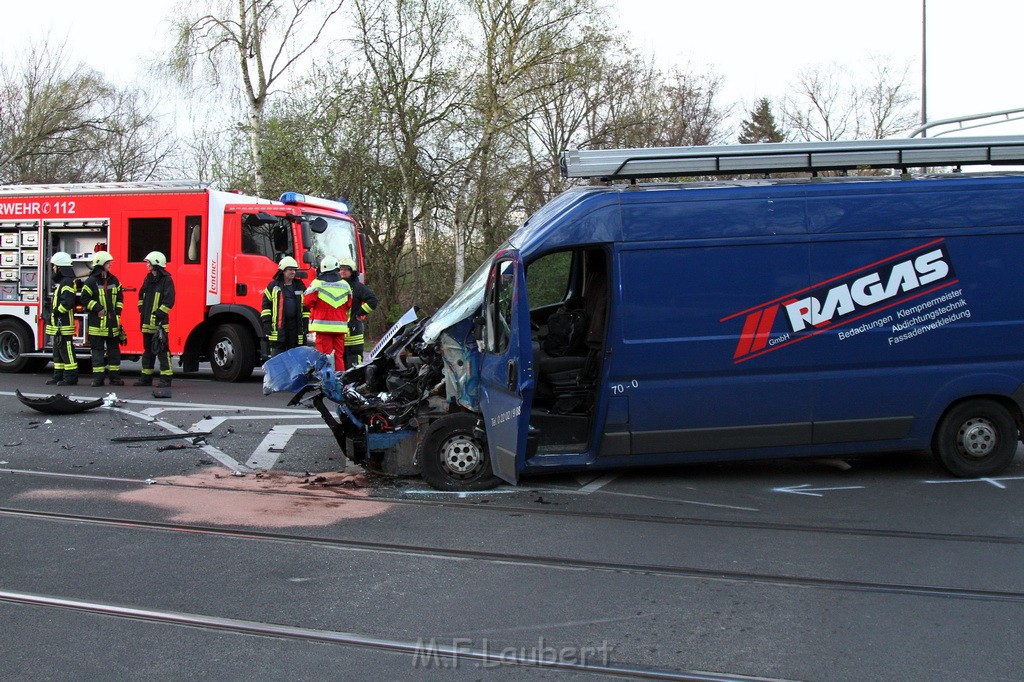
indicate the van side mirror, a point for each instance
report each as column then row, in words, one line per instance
column 479, row 325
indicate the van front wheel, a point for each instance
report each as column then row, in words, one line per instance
column 451, row 458
column 976, row 438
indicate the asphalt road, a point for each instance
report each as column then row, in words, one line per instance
column 256, row 553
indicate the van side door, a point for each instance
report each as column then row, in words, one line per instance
column 507, row 378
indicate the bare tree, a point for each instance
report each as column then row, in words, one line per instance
column 62, row 122
column 262, row 38
column 694, row 115
column 888, row 101
column 48, row 107
column 409, row 48
column 830, row 102
column 823, row 104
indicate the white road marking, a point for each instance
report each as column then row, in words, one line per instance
column 265, row 456
column 216, row 453
column 805, row 489
column 991, row 481
column 599, row 483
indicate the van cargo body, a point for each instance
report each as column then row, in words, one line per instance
column 732, row 320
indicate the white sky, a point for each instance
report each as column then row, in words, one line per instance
column 758, row 46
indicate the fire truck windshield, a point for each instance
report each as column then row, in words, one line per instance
column 338, row 240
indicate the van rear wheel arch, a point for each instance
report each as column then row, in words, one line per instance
column 977, row 437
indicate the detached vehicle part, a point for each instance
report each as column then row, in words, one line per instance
column 58, row 404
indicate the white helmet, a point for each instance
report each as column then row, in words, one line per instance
column 347, row 263
column 288, row 262
column 61, row 259
column 156, row 258
column 329, row 263
column 101, row 258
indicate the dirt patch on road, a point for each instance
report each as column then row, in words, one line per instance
column 269, row 500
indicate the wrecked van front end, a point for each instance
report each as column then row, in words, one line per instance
column 417, row 392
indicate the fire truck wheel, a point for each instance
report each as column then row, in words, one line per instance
column 976, row 438
column 232, row 353
column 452, row 458
column 15, row 341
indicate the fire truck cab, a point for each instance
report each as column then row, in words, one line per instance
column 222, row 249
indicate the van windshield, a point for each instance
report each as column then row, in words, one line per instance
column 463, row 303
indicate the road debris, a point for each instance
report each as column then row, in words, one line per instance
column 57, row 404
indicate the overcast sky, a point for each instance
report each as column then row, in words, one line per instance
column 757, row 46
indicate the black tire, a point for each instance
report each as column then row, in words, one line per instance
column 451, row 458
column 232, row 353
column 15, row 341
column 976, row 438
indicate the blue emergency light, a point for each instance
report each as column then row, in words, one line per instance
column 295, row 198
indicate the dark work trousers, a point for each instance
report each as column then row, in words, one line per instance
column 353, row 355
column 64, row 355
column 149, row 359
column 287, row 338
column 106, row 354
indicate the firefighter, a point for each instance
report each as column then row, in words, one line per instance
column 60, row 321
column 103, row 299
column 156, row 298
column 284, row 317
column 329, row 299
column 364, row 301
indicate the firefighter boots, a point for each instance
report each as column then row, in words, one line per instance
column 58, row 376
column 115, row 379
column 163, row 382
column 70, row 379
column 144, row 380
column 97, row 379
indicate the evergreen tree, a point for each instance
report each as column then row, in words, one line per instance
column 761, row 126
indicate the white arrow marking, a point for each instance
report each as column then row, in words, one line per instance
column 805, row 489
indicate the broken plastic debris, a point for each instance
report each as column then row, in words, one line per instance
column 237, row 473
column 150, row 481
column 57, row 404
column 109, row 400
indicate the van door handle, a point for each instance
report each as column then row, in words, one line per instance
column 512, row 375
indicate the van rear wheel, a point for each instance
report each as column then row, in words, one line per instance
column 451, row 457
column 232, row 353
column 976, row 438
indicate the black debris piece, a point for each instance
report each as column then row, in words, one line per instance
column 159, row 436
column 58, row 404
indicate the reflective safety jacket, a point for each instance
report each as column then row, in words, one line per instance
column 273, row 313
column 155, row 296
column 60, row 318
column 364, row 302
column 329, row 299
column 103, row 291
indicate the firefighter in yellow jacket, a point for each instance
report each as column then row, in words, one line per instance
column 60, row 322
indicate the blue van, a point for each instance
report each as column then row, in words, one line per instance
column 648, row 324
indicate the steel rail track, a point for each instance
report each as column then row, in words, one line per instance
column 546, row 561
column 429, row 652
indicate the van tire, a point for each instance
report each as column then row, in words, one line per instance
column 232, row 353
column 976, row 438
column 451, row 458
column 15, row 341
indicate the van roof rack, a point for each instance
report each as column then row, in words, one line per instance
column 104, row 187
column 790, row 157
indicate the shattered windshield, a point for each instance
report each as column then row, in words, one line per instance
column 463, row 303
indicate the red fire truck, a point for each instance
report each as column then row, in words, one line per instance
column 222, row 248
